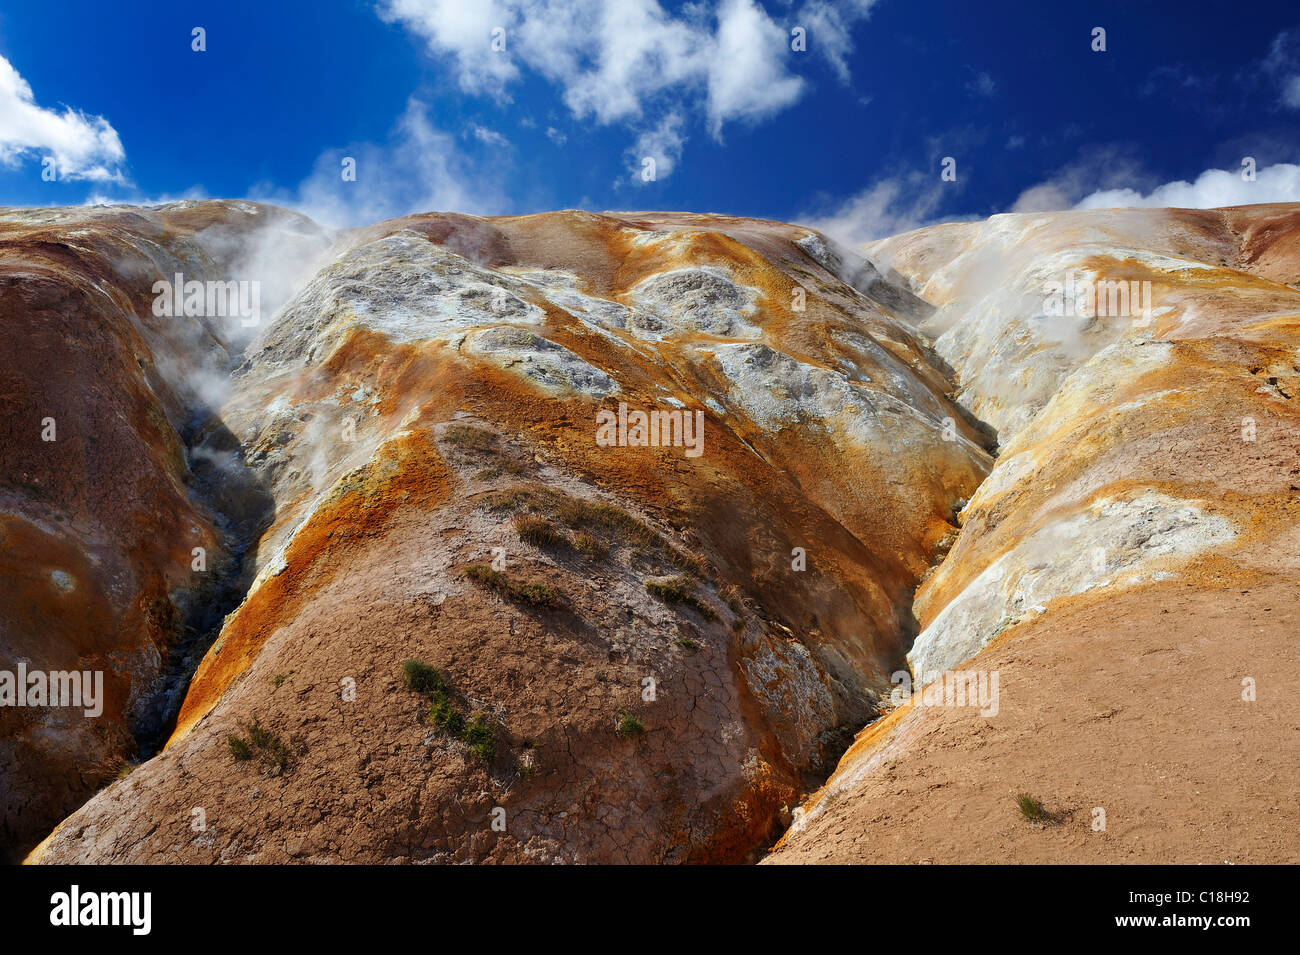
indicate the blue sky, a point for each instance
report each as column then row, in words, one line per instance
column 849, row 133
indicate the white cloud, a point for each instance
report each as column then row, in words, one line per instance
column 610, row 59
column 136, row 198
column 464, row 30
column 1113, row 177
column 83, row 147
column 617, row 60
column 748, row 76
column 1212, row 189
column 489, row 137
column 982, row 85
column 1283, row 63
column 829, row 24
column 663, row 144
column 1291, row 92
column 1103, row 168
column 555, row 136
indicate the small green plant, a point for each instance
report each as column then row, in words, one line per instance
column 423, row 678
column 680, row 590
column 1033, row 810
column 534, row 594
column 630, row 727
column 481, row 737
column 446, row 717
column 239, row 748
column 527, row 763
column 443, row 713
column 686, row 643
column 538, row 531
column 264, row 745
column 278, row 680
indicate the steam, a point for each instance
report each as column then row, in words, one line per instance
column 281, row 255
column 419, row 169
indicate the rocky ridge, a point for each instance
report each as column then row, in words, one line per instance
column 653, row 655
column 662, row 676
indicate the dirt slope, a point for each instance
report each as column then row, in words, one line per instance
column 1127, row 570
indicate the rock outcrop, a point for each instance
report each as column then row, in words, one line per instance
column 643, row 654
column 102, row 507
column 1128, row 567
column 595, row 538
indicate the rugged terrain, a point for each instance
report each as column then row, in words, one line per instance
column 667, row 648
column 644, row 654
column 1129, row 567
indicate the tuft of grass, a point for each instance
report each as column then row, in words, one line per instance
column 530, row 498
column 585, row 517
column 508, row 466
column 264, row 746
column 468, row 438
column 590, row 547
column 478, row 733
column 734, row 599
column 680, row 591
column 577, row 513
column 630, row 727
column 538, row 531
column 446, row 717
column 489, row 578
column 686, row 643
column 687, row 563
column 422, row 678
column 1033, row 810
column 481, row 736
column 534, row 594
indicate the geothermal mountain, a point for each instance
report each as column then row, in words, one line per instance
column 598, row 538
column 1128, row 568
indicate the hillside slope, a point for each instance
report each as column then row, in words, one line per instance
column 666, row 645
column 1128, row 569
column 450, row 617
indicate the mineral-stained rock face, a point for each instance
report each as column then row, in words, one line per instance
column 100, row 511
column 653, row 650
column 455, row 610
column 1128, row 569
